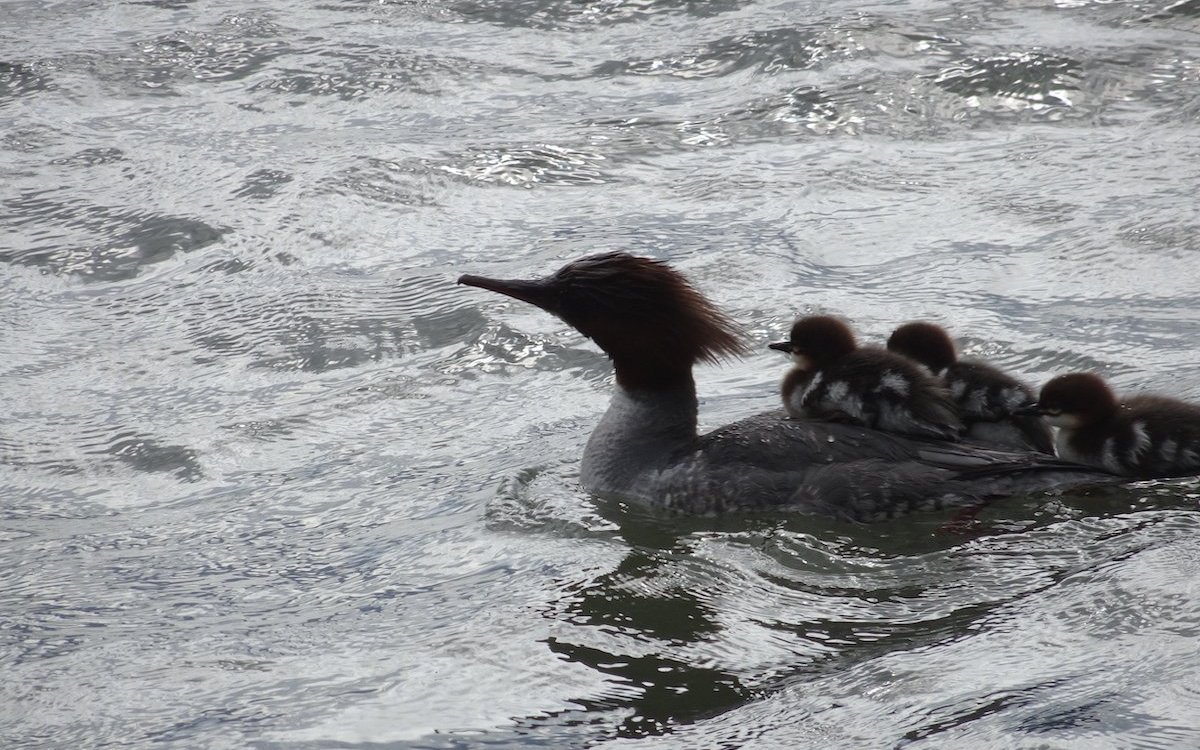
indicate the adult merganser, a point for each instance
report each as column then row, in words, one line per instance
column 1143, row 436
column 836, row 379
column 655, row 326
column 986, row 396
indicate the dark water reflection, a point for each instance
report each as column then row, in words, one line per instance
column 271, row 480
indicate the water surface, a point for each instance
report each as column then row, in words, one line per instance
column 269, row 479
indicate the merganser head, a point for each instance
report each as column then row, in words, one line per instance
column 641, row 312
column 1076, row 400
column 924, row 342
column 817, row 340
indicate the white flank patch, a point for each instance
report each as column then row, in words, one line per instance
column 795, row 404
column 1108, row 456
column 837, row 390
column 816, row 380
column 957, row 389
column 1141, row 441
column 895, row 382
column 1169, row 450
column 1013, row 397
column 1190, row 457
column 853, row 406
column 836, row 397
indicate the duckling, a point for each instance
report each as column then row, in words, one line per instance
column 986, row 396
column 1144, row 436
column 835, row 379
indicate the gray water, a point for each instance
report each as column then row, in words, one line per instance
column 269, row 479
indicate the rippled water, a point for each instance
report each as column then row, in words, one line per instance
column 270, row 480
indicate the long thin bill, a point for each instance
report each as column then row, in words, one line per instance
column 536, row 292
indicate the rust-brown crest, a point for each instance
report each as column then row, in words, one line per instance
column 641, row 312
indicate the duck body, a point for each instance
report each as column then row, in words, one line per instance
column 647, row 448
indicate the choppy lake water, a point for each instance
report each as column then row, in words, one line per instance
column 269, row 479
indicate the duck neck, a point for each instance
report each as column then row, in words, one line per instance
column 641, row 431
